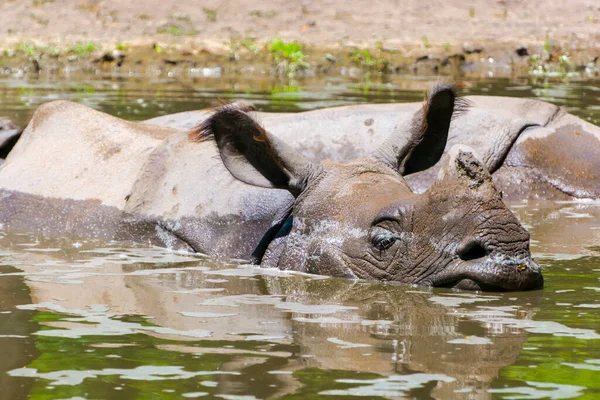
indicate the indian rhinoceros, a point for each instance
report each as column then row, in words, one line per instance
column 534, row 149
column 232, row 189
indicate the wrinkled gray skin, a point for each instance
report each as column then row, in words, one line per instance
column 255, row 196
column 534, row 149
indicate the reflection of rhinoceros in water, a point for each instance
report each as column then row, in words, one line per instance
column 286, row 323
column 357, row 219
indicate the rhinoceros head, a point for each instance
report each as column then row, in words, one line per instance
column 360, row 219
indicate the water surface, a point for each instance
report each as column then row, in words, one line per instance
column 144, row 97
column 84, row 318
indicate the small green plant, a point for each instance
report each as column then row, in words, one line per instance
column 89, row 6
column 365, row 59
column 472, row 12
column 564, row 61
column 447, row 46
column 176, row 29
column 82, row 49
column 250, row 44
column 114, row 14
column 39, row 3
column 211, row 14
column 182, row 17
column 279, row 90
column 385, row 49
column 537, row 65
column 342, row 15
column 53, row 51
column 32, row 50
column 28, row 49
column 426, row 43
column 533, row 59
column 287, row 57
column 169, row 29
column 264, row 14
column 547, row 46
column 83, row 88
column 541, row 65
column 40, row 21
column 236, row 45
column 122, row 46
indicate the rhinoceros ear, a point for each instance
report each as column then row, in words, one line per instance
column 421, row 145
column 250, row 153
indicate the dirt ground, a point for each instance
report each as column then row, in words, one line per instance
column 415, row 28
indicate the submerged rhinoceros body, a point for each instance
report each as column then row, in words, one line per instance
column 252, row 195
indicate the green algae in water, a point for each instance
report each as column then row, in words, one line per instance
column 564, row 360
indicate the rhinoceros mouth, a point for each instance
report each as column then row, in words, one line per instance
column 489, row 274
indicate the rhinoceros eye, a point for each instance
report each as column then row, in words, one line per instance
column 383, row 241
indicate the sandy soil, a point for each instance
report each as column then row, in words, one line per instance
column 413, row 27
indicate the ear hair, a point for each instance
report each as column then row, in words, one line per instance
column 461, row 106
column 420, row 122
column 225, row 112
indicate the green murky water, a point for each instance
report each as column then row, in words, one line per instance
column 138, row 98
column 101, row 320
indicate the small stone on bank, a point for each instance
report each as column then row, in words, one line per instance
column 470, row 48
column 522, row 51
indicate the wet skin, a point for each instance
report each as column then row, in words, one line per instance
column 253, row 196
column 361, row 220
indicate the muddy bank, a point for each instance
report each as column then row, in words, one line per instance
column 292, row 59
column 478, row 37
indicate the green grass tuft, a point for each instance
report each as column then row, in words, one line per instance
column 288, row 57
column 211, row 14
column 365, row 59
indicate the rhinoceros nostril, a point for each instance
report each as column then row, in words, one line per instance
column 471, row 250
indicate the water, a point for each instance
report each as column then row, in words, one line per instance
column 93, row 319
column 138, row 98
